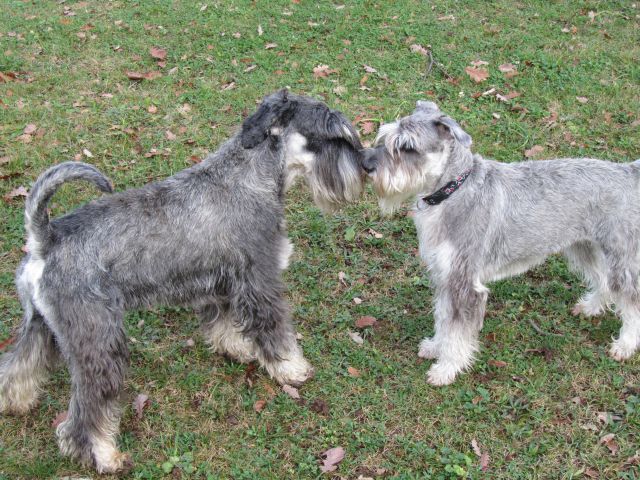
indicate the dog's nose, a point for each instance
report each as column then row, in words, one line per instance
column 369, row 160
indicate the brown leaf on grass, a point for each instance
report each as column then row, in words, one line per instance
column 141, row 402
column 417, row 48
column 366, row 321
column 497, row 363
column 269, row 46
column 591, row 473
column 582, row 99
column 355, row 336
column 534, row 151
column 443, row 18
column 477, row 74
column 228, row 86
column 291, row 391
column 87, row 153
column 7, row 342
column 158, row 53
column 259, row 405
column 16, row 192
column 6, row 77
column 331, row 458
column 610, row 443
column 357, row 300
column 143, row 76
column 483, row 456
column 507, row 67
column 321, row 71
column 368, row 128
column 369, row 69
column 479, row 63
column 60, row 417
column 250, row 68
column 30, row 128
column 354, row 372
column 169, row 135
column 152, row 109
column 25, row 138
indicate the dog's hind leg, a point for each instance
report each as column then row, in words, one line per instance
column 623, row 282
column 95, row 345
column 588, row 260
column 459, row 313
column 223, row 331
column 266, row 320
column 25, row 367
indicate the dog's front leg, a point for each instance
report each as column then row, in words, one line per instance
column 267, row 322
column 459, row 311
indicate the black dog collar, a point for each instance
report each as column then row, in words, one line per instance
column 446, row 191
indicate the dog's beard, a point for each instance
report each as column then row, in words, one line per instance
column 395, row 184
column 333, row 188
column 333, row 175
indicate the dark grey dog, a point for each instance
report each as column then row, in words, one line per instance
column 479, row 221
column 212, row 236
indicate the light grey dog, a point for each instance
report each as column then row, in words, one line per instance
column 212, row 236
column 479, row 221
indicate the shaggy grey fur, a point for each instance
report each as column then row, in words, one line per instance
column 503, row 220
column 212, row 236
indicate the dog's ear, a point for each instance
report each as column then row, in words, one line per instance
column 449, row 128
column 426, row 106
column 274, row 110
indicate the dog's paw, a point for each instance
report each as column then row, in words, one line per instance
column 620, row 351
column 442, row 374
column 588, row 309
column 117, row 463
column 294, row 371
column 428, row 349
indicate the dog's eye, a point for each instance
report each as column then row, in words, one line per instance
column 408, row 150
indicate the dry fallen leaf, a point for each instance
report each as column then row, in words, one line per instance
column 331, row 458
column 483, row 456
column 143, row 76
column 417, row 48
column 534, row 151
column 357, row 300
column 322, row 71
column 158, row 53
column 354, row 372
column 477, row 74
column 366, row 321
column 140, row 403
column 479, row 63
column 506, row 67
column 259, row 405
column 497, row 363
column 87, row 153
column 610, row 443
column 368, row 128
column 582, row 99
column 169, row 135
column 60, row 417
column 29, row 129
column 369, row 69
column 355, row 336
column 152, row 109
column 291, row 391
column 16, row 192
column 269, row 46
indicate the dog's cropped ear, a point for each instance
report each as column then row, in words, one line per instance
column 275, row 110
column 426, row 106
column 449, row 128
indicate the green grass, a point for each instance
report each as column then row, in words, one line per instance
column 537, row 416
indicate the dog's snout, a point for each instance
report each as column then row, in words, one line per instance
column 369, row 160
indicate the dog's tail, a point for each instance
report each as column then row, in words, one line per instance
column 36, row 217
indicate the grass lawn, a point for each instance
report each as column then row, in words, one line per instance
column 537, row 405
